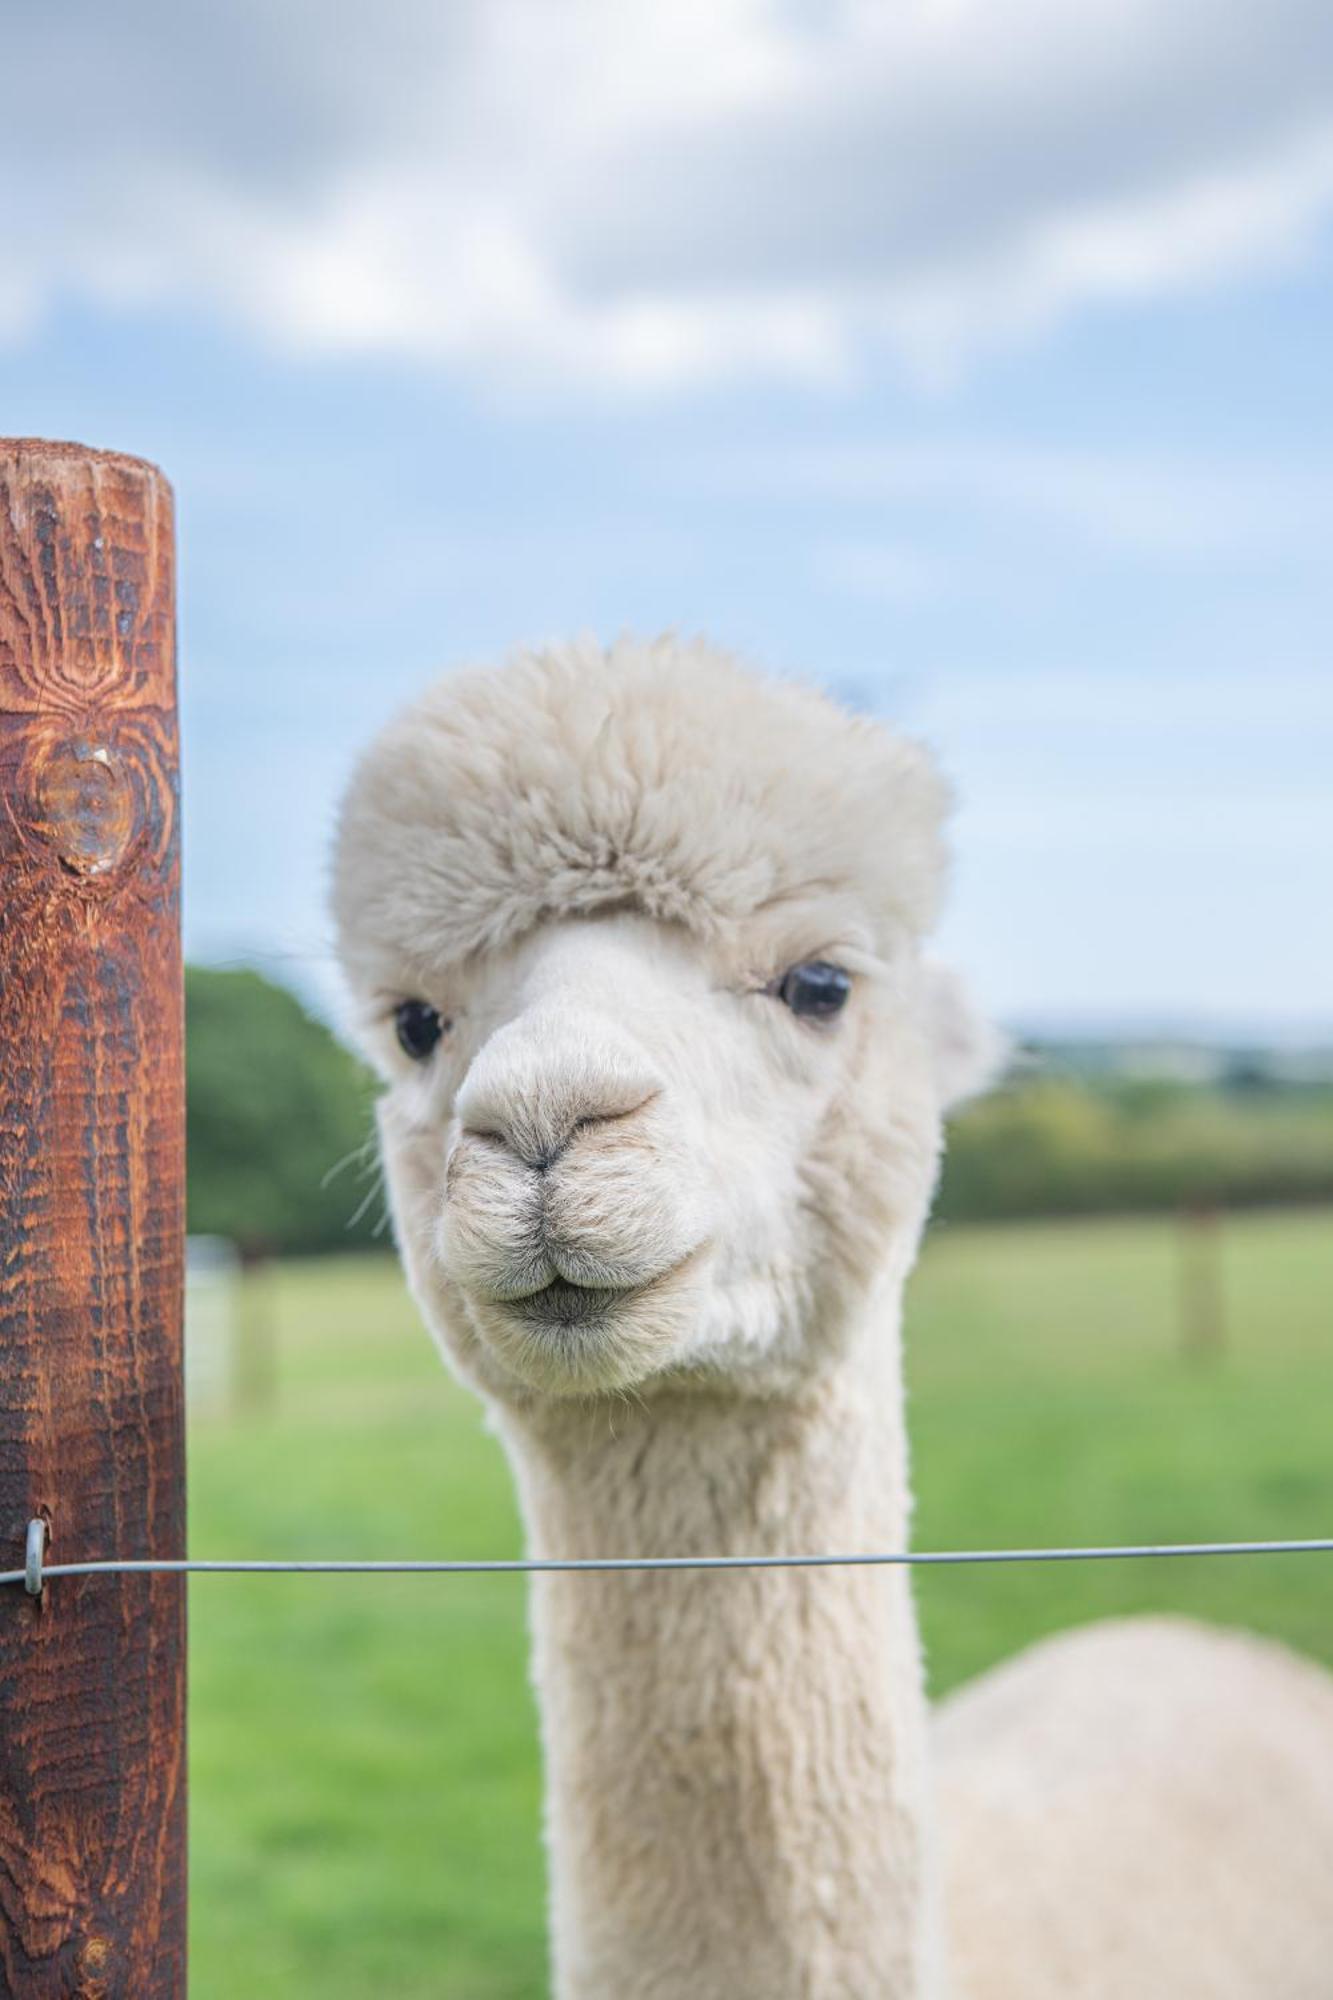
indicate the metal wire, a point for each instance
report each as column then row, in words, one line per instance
column 40, row 1573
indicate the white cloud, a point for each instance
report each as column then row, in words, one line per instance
column 644, row 194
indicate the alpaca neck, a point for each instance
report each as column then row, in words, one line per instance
column 735, row 1760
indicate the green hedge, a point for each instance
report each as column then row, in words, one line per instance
column 274, row 1104
column 1065, row 1147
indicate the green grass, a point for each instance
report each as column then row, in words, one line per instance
column 365, row 1791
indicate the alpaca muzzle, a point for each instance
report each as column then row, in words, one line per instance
column 574, row 1275
column 614, row 1212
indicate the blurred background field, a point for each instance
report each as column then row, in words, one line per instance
column 364, row 1765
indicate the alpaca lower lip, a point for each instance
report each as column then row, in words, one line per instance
column 568, row 1304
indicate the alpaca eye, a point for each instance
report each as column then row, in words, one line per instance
column 816, row 989
column 419, row 1027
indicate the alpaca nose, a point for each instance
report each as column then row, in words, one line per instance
column 541, row 1078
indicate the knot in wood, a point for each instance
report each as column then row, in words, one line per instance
column 87, row 805
column 94, row 1966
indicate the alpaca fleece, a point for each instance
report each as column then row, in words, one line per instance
column 663, row 1225
column 578, row 780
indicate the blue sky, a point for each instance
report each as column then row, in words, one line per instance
column 972, row 361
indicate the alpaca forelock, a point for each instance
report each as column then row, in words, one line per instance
column 661, row 777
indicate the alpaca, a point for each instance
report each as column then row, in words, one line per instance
column 635, row 941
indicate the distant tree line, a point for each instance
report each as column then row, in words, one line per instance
column 1069, row 1145
column 280, row 1120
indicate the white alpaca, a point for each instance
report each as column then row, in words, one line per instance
column 636, row 944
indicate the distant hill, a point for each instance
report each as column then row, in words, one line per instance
column 1182, row 1058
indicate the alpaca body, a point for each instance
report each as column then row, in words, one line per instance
column 636, row 944
column 1140, row 1807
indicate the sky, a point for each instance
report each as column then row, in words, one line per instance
column 968, row 359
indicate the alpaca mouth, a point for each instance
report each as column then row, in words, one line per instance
column 563, row 1303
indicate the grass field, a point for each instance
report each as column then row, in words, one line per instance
column 365, row 1790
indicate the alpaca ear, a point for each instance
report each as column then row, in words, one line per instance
column 969, row 1051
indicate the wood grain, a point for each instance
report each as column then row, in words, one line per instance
column 92, row 1678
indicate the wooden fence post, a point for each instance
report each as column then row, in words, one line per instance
column 92, row 1676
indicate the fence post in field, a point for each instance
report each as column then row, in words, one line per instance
column 92, row 1674
column 255, row 1362
column 1202, row 1305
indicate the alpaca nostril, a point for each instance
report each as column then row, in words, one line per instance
column 520, row 1142
column 488, row 1136
column 530, row 1140
column 548, row 1155
column 591, row 1118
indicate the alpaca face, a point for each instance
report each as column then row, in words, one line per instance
column 619, row 1154
column 635, row 941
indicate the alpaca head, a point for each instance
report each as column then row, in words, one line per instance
column 634, row 941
